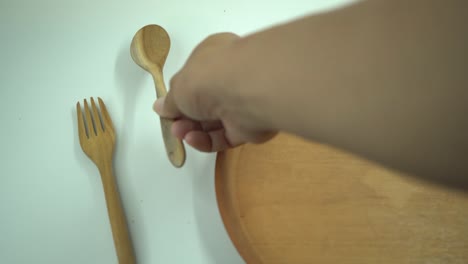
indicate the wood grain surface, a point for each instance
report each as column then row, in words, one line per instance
column 97, row 139
column 292, row 201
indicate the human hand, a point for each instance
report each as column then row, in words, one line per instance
column 211, row 110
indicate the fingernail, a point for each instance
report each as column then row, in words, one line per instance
column 158, row 105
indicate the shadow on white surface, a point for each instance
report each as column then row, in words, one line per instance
column 129, row 80
column 214, row 237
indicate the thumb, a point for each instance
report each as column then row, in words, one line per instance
column 166, row 107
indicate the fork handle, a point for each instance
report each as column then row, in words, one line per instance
column 122, row 241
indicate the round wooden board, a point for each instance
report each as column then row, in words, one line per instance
column 291, row 201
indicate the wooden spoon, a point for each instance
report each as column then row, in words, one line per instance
column 149, row 50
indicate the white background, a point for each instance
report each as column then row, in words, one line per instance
column 56, row 52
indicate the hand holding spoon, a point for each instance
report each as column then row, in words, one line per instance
column 149, row 50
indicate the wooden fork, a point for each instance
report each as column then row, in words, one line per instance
column 97, row 139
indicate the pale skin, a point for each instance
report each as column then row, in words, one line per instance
column 384, row 79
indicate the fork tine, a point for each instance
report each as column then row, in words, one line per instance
column 81, row 126
column 89, row 121
column 97, row 120
column 108, row 126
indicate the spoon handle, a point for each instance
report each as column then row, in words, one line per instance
column 159, row 83
column 174, row 147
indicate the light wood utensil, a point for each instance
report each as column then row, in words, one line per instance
column 97, row 139
column 292, row 201
column 149, row 49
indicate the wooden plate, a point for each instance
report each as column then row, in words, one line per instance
column 290, row 201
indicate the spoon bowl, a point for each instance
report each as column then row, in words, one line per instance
column 150, row 47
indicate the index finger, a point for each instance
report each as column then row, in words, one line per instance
column 166, row 107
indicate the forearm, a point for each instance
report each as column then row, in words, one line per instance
column 383, row 79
